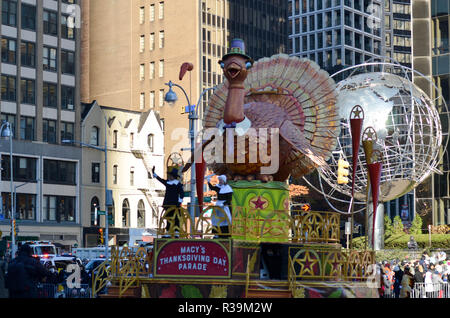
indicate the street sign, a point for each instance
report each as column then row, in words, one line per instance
column 101, row 212
column 110, row 219
column 188, row 109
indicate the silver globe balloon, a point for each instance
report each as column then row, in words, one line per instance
column 408, row 133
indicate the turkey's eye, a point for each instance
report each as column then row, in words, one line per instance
column 248, row 65
column 222, row 65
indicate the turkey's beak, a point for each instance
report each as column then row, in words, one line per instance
column 233, row 70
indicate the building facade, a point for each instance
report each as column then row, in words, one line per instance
column 40, row 77
column 432, row 60
column 336, row 32
column 129, row 57
column 134, row 143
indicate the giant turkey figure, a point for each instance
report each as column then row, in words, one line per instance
column 287, row 93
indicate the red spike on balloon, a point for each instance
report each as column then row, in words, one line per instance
column 356, row 124
column 200, row 169
column 375, row 177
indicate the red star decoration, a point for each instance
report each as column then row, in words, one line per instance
column 259, row 204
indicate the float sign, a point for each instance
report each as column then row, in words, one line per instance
column 192, row 258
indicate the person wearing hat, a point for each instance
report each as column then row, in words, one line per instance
column 172, row 198
column 224, row 197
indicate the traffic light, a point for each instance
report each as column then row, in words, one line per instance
column 342, row 171
column 100, row 236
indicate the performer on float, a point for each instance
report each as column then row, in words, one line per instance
column 224, row 197
column 173, row 196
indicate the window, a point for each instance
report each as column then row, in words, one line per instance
column 59, row 172
column 94, row 136
column 152, row 41
column 115, row 139
column 24, row 169
column 67, row 62
column 161, row 68
column 150, row 142
column 115, row 174
column 9, row 12
column 163, row 123
column 50, row 22
column 67, row 97
column 66, row 131
column 67, row 32
column 161, row 39
column 161, row 97
column 28, row 54
column 131, row 140
column 125, row 213
column 152, row 12
column 152, row 99
column 141, row 214
column 11, row 119
column 95, row 172
column 9, row 88
column 25, row 206
column 49, row 59
column 27, row 128
column 27, row 87
column 161, row 10
column 142, row 43
column 50, row 94
column 142, row 15
column 152, row 70
column 142, row 101
column 49, row 131
column 28, row 17
column 95, row 204
column 132, row 176
column 9, row 50
column 58, row 208
column 142, row 72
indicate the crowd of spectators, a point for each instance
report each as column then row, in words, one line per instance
column 426, row 276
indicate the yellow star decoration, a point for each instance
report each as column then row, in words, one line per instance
column 335, row 263
column 357, row 112
column 307, row 264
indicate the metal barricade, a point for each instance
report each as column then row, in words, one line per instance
column 62, row 291
column 83, row 291
column 46, row 290
column 388, row 293
column 425, row 290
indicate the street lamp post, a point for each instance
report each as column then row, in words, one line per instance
column 105, row 150
column 6, row 131
column 171, row 97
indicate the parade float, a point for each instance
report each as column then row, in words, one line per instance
column 281, row 111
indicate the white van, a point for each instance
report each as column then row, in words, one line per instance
column 42, row 249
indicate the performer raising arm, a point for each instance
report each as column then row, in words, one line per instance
column 173, row 196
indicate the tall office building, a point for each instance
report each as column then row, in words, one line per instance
column 432, row 60
column 336, row 32
column 40, row 99
column 132, row 48
column 343, row 33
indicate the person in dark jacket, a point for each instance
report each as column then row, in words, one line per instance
column 398, row 276
column 419, row 274
column 224, row 198
column 24, row 273
column 173, row 196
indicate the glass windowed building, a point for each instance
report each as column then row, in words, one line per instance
column 336, row 32
column 39, row 70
